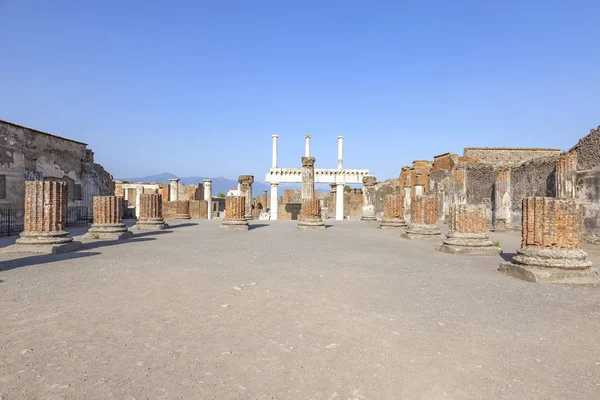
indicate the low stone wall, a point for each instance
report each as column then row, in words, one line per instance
column 289, row 211
column 198, row 209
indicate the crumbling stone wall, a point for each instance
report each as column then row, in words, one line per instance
column 507, row 157
column 199, row 209
column 534, row 178
column 588, row 150
column 27, row 154
column 381, row 190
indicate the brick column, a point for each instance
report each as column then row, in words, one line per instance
column 368, row 209
column 468, row 231
column 551, row 244
column 150, row 213
column 45, row 220
column 423, row 216
column 108, row 219
column 235, row 213
column 182, row 209
column 566, row 175
column 310, row 214
column 502, row 201
column 393, row 211
column 245, row 189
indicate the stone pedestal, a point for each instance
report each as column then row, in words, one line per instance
column 393, row 212
column 182, row 209
column 108, row 223
column 245, row 189
column 368, row 209
column 310, row 216
column 468, row 233
column 551, row 244
column 423, row 216
column 44, row 220
column 502, row 201
column 151, row 218
column 235, row 214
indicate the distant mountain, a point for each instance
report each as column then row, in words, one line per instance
column 219, row 185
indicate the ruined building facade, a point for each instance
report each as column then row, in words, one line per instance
column 30, row 155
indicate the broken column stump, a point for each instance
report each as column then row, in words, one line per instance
column 423, row 216
column 393, row 212
column 150, row 213
column 368, row 209
column 551, row 244
column 44, row 220
column 108, row 219
column 310, row 214
column 235, row 214
column 468, row 232
column 182, row 209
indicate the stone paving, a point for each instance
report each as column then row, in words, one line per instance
column 350, row 312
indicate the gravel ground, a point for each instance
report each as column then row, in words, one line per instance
column 351, row 312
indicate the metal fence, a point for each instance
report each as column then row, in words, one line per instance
column 11, row 219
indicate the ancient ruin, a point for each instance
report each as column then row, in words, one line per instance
column 368, row 209
column 235, row 214
column 310, row 217
column 150, row 213
column 393, row 212
column 182, row 209
column 44, row 222
column 245, row 189
column 423, row 217
column 468, row 231
column 108, row 222
column 551, row 244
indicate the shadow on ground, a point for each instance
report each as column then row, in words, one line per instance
column 150, row 233
column 507, row 256
column 256, row 226
column 42, row 259
column 182, row 225
column 88, row 245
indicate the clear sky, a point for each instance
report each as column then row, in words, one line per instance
column 199, row 87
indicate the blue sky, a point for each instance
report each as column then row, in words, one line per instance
column 198, row 88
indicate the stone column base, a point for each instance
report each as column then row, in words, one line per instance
column 182, row 216
column 150, row 225
column 476, row 244
column 235, row 224
column 392, row 223
column 368, row 218
column 249, row 217
column 43, row 243
column 528, row 273
column 108, row 232
column 305, row 224
column 421, row 231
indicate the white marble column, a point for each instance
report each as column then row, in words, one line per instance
column 275, row 137
column 208, row 197
column 139, row 190
column 307, row 146
column 339, row 202
column 174, row 189
column 407, row 201
column 340, row 152
column 274, row 201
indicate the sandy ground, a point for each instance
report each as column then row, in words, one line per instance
column 352, row 312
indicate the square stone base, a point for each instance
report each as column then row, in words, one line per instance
column 551, row 275
column 416, row 236
column 149, row 227
column 108, row 235
column 311, row 227
column 469, row 251
column 43, row 248
column 234, row 227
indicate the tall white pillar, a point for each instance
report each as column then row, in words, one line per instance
column 307, row 146
column 407, row 202
column 208, row 197
column 340, row 152
column 274, row 201
column 174, row 189
column 339, row 202
column 274, row 151
column 139, row 190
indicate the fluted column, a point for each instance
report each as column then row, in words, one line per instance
column 468, row 231
column 150, row 213
column 566, row 175
column 310, row 214
column 393, row 211
column 502, row 201
column 423, row 217
column 245, row 188
column 551, row 239
column 368, row 208
column 45, row 216
column 235, row 213
column 108, row 219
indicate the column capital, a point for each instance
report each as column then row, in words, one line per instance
column 274, row 136
column 308, row 161
column 249, row 179
column 369, row 180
